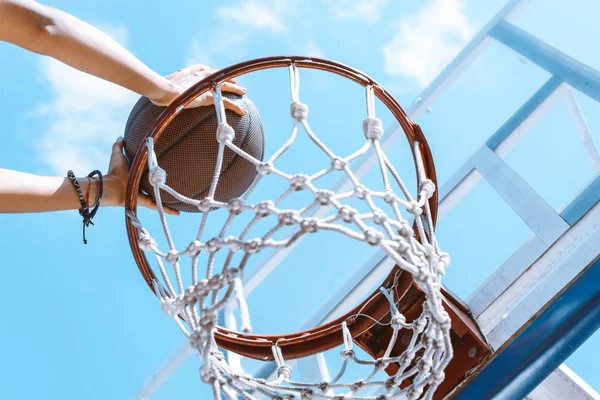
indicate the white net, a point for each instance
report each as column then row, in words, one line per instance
column 195, row 307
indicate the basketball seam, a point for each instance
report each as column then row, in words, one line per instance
column 184, row 136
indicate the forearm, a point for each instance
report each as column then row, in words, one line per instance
column 21, row 192
column 54, row 33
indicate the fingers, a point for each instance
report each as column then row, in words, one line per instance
column 230, row 105
column 147, row 202
column 195, row 68
column 232, row 88
column 209, row 100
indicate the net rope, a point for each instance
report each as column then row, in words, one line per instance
column 195, row 307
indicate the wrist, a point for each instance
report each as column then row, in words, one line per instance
column 165, row 93
column 114, row 192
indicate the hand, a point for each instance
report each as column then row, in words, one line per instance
column 115, row 181
column 183, row 79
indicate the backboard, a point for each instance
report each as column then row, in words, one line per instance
column 519, row 171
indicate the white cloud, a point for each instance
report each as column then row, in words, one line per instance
column 208, row 52
column 253, row 14
column 427, row 40
column 82, row 119
column 312, row 49
column 367, row 10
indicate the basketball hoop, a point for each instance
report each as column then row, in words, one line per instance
column 416, row 367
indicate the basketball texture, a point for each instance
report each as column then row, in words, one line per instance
column 187, row 150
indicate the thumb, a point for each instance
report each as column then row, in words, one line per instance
column 117, row 151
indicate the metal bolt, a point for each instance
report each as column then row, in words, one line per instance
column 473, row 352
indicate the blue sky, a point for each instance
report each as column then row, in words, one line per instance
column 79, row 321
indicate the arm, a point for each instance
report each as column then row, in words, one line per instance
column 23, row 193
column 54, row 33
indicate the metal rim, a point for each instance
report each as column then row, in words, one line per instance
column 326, row 336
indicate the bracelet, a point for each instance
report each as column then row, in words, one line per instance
column 84, row 211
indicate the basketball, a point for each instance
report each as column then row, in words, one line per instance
column 187, row 150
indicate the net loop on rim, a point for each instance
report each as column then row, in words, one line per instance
column 416, row 251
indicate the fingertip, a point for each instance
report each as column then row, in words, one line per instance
column 118, row 145
column 241, row 111
column 171, row 211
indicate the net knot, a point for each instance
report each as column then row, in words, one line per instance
column 289, row 217
column 438, row 377
column 379, row 217
column 425, row 366
column 196, row 339
column 402, row 245
column 189, row 297
column 398, row 320
column 264, row 168
column 306, row 394
column 406, row 359
column 172, row 257
column 216, row 282
column 443, row 262
column 157, row 176
column 389, row 197
column 309, row 225
column 213, row 245
column 299, row 111
column 414, row 207
column 285, row 371
column 206, row 204
column 208, row 322
column 358, row 385
column 225, row 133
column 235, row 206
column 347, row 213
column 414, row 392
column 173, row 307
column 444, row 320
column 361, row 192
column 323, row 197
column 206, row 375
column 338, row 163
column 349, row 354
column 264, row 208
column 373, row 237
column 406, row 231
column 232, row 274
column 201, row 288
column 298, row 182
column 373, row 128
column 391, row 382
column 428, row 187
column 146, row 243
column 194, row 248
column 233, row 243
column 253, row 246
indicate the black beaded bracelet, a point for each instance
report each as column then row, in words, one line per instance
column 84, row 211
